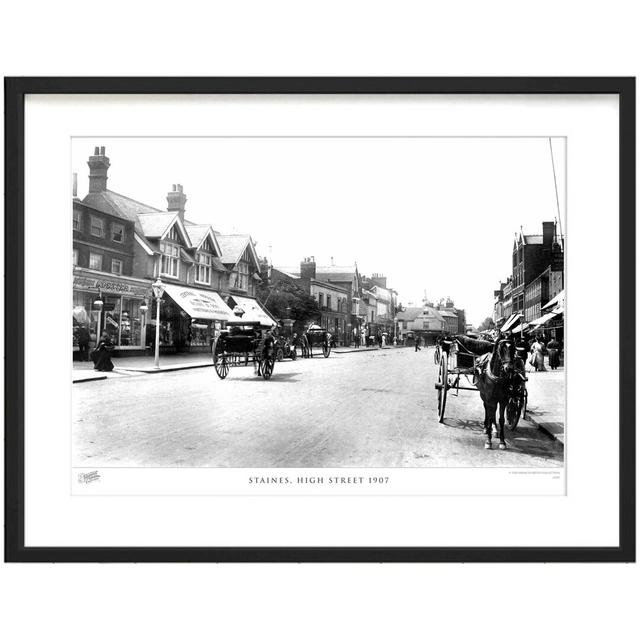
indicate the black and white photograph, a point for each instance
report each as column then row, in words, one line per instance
column 325, row 302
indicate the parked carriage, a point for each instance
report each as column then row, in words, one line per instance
column 242, row 344
column 459, row 364
column 318, row 337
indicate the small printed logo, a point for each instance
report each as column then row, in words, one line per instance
column 90, row 476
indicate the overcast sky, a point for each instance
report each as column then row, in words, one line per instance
column 434, row 214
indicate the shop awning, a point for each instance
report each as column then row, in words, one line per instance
column 253, row 311
column 544, row 319
column 199, row 304
column 521, row 327
column 511, row 322
column 555, row 300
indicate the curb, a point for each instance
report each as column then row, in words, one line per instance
column 89, row 379
column 542, row 426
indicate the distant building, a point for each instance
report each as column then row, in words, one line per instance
column 426, row 322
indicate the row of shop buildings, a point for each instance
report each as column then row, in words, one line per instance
column 351, row 304
column 121, row 246
column 532, row 297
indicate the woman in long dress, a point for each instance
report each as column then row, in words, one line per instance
column 537, row 355
column 553, row 347
column 102, row 354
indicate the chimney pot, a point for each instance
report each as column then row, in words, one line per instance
column 102, row 151
column 96, row 151
column 173, row 187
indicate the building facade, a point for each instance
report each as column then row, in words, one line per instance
column 200, row 268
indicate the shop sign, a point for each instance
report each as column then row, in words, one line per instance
column 110, row 286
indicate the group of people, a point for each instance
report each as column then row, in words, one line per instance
column 382, row 339
column 537, row 350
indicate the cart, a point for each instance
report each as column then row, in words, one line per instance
column 457, row 365
column 240, row 345
column 319, row 337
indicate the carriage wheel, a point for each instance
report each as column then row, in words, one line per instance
column 293, row 353
column 436, row 356
column 267, row 367
column 326, row 349
column 221, row 365
column 526, row 400
column 514, row 409
column 280, row 355
column 443, row 385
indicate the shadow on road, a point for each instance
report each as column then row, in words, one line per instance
column 277, row 377
column 518, row 441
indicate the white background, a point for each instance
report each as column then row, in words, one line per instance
column 314, row 601
column 53, row 517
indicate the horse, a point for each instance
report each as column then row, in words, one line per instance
column 493, row 378
column 303, row 341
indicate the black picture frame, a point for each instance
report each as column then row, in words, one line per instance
column 15, row 91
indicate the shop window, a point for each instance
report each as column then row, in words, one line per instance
column 203, row 268
column 95, row 261
column 76, row 220
column 117, row 232
column 75, row 257
column 169, row 262
column 97, row 226
column 116, row 266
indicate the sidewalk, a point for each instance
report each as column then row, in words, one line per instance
column 84, row 371
column 546, row 405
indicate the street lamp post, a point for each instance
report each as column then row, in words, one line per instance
column 98, row 303
column 158, row 289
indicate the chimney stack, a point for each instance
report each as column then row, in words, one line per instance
column 176, row 200
column 98, row 169
column 308, row 268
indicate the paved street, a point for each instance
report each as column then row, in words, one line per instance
column 369, row 409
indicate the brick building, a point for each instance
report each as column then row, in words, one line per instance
column 206, row 273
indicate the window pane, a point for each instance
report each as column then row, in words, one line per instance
column 95, row 261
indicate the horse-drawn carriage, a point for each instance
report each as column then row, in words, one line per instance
column 241, row 344
column 316, row 336
column 494, row 369
column 285, row 348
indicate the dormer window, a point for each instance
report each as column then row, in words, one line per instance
column 170, row 261
column 203, row 268
column 240, row 276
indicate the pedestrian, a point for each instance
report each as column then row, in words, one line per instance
column 102, row 353
column 553, row 347
column 395, row 341
column 537, row 355
column 418, row 340
column 383, row 341
column 84, row 338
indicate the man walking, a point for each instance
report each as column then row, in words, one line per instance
column 84, row 338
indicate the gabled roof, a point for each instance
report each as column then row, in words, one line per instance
column 233, row 246
column 522, row 238
column 410, row 314
column 154, row 225
column 198, row 233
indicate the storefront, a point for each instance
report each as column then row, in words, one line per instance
column 120, row 314
column 189, row 319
